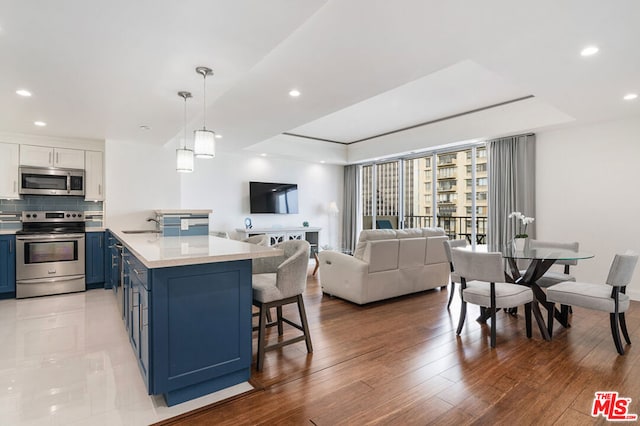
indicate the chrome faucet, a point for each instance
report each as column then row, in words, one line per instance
column 150, row 219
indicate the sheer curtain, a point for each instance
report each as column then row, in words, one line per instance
column 511, row 186
column 351, row 214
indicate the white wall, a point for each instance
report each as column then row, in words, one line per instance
column 139, row 178
column 222, row 184
column 587, row 190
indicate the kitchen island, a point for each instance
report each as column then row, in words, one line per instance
column 187, row 310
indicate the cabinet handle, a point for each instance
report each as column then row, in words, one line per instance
column 100, row 241
column 10, row 246
column 147, row 323
column 99, row 189
column 140, row 313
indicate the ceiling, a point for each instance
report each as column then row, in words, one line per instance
column 445, row 71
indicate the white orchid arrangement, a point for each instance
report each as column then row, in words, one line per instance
column 521, row 227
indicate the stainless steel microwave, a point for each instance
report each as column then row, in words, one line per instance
column 51, row 181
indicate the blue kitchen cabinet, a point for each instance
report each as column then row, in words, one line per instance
column 7, row 266
column 189, row 326
column 94, row 259
column 199, row 328
column 137, row 311
column 113, row 260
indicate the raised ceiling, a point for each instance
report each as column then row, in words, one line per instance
column 100, row 70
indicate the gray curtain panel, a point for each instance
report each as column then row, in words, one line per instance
column 350, row 214
column 511, row 186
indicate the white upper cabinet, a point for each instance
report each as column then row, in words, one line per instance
column 42, row 156
column 94, row 176
column 9, row 170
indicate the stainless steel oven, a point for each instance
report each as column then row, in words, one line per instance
column 50, row 254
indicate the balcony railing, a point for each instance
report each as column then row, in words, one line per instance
column 454, row 226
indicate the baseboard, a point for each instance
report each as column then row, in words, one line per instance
column 633, row 295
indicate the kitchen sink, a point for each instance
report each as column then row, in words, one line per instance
column 141, row 231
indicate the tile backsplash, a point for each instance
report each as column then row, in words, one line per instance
column 9, row 208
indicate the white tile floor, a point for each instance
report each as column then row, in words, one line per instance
column 66, row 360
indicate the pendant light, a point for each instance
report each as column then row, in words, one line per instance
column 205, row 142
column 184, row 156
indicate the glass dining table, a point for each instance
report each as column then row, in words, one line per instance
column 539, row 261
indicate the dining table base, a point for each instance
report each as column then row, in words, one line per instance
column 537, row 268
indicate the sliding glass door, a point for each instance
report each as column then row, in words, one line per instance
column 447, row 189
column 381, row 184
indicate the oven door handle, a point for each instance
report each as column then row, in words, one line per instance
column 49, row 237
column 50, row 280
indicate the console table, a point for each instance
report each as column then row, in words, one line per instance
column 278, row 235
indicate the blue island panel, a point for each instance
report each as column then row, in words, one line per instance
column 201, row 334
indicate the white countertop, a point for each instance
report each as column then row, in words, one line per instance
column 277, row 229
column 156, row 251
column 178, row 211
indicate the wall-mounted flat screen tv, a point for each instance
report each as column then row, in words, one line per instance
column 268, row 197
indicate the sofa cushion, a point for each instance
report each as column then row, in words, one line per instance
column 411, row 253
column 371, row 235
column 382, row 255
column 409, row 233
column 433, row 232
column 435, row 252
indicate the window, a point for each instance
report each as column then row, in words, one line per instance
column 446, row 210
column 405, row 191
column 447, row 185
column 447, row 197
column 446, row 159
column 447, row 172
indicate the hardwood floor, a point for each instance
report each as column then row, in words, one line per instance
column 400, row 362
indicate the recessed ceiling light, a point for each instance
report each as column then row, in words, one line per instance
column 23, row 92
column 630, row 96
column 589, row 50
column 264, row 154
column 294, row 93
column 40, row 123
column 218, row 136
column 322, row 161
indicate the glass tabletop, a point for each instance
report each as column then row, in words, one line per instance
column 545, row 253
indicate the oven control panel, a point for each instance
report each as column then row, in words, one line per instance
column 52, row 216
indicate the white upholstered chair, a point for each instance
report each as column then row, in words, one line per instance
column 554, row 277
column 259, row 239
column 495, row 294
column 279, row 281
column 609, row 297
column 454, row 277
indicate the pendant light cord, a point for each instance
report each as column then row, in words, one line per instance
column 204, row 101
column 184, row 141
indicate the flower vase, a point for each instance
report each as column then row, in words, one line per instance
column 519, row 244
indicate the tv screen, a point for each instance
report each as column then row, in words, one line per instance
column 267, row 197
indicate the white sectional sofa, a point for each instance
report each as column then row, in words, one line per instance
column 387, row 263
